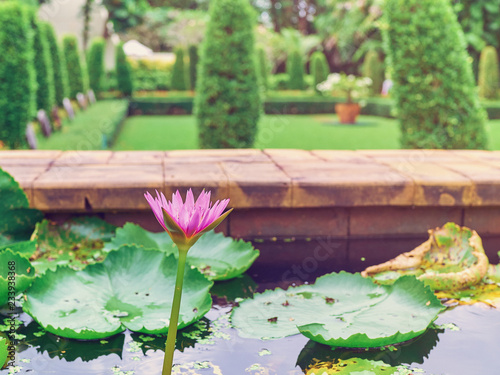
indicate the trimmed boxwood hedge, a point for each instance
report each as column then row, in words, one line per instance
column 73, row 65
column 61, row 86
column 17, row 74
column 228, row 101
column 95, row 64
column 434, row 88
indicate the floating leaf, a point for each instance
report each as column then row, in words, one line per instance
column 17, row 220
column 452, row 258
column 216, row 256
column 353, row 366
column 76, row 243
column 363, row 314
column 133, row 288
column 24, row 248
column 18, row 271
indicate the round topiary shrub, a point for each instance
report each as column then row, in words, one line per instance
column 373, row 68
column 262, row 68
column 73, row 65
column 488, row 73
column 319, row 68
column 95, row 64
column 123, row 72
column 295, row 71
column 179, row 72
column 17, row 74
column 227, row 103
column 434, row 89
column 193, row 65
column 45, row 94
column 61, row 86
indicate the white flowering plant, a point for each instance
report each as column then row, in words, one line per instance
column 350, row 85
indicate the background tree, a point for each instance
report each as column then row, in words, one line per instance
column 436, row 97
column 373, row 68
column 73, row 65
column 45, row 96
column 17, row 74
column 227, row 103
column 319, row 68
column 488, row 73
column 193, row 65
column 87, row 14
column 295, row 70
column 125, row 14
column 179, row 72
column 123, row 72
column 61, row 86
column 95, row 64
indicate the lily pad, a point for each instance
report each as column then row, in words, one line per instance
column 17, row 220
column 452, row 258
column 76, row 243
column 4, row 353
column 15, row 272
column 353, row 366
column 341, row 309
column 216, row 256
column 133, row 288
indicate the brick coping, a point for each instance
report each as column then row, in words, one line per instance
column 100, row 181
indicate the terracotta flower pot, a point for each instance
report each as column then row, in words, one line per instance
column 347, row 112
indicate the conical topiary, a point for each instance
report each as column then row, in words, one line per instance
column 488, row 73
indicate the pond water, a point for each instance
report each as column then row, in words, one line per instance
column 465, row 341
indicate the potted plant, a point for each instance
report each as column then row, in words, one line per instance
column 352, row 87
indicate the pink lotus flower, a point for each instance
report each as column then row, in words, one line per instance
column 185, row 222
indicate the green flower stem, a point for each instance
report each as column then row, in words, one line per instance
column 168, row 360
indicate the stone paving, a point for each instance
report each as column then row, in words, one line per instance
column 276, row 193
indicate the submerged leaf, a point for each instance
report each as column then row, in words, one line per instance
column 364, row 314
column 353, row 366
column 76, row 243
column 452, row 258
column 18, row 271
column 133, row 288
column 216, row 256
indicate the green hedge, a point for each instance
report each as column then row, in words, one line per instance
column 45, row 94
column 123, row 72
column 262, row 68
column 228, row 100
column 272, row 106
column 488, row 73
column 179, row 73
column 434, row 89
column 319, row 68
column 295, row 71
column 17, row 74
column 61, row 86
column 95, row 64
column 373, row 68
column 193, row 65
column 73, row 65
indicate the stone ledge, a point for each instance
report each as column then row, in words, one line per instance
column 343, row 192
column 265, row 179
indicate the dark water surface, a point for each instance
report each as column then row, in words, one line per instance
column 213, row 347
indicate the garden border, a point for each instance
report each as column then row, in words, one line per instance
column 275, row 193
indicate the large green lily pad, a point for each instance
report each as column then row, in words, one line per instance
column 76, row 243
column 16, row 269
column 216, row 256
column 4, row 353
column 133, row 288
column 341, row 309
column 17, row 220
column 452, row 258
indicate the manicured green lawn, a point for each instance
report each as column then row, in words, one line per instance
column 89, row 130
column 281, row 131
